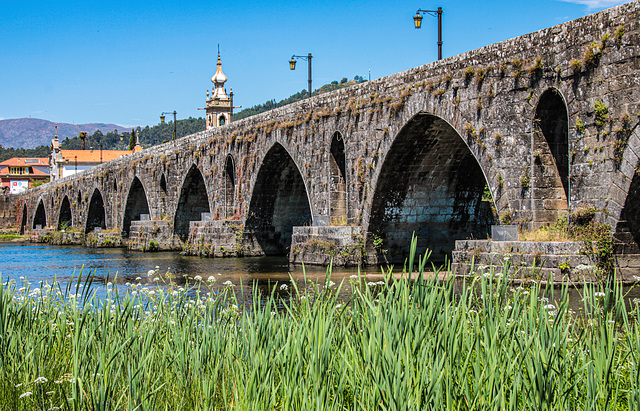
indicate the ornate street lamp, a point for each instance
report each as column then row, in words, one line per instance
column 174, row 121
column 417, row 21
column 292, row 66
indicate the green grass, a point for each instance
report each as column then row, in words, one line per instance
column 427, row 344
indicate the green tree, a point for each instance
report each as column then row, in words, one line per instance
column 132, row 140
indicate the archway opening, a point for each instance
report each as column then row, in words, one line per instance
column 96, row 217
column 23, row 223
column 229, row 187
column 628, row 228
column 337, row 181
column 79, row 200
column 40, row 218
column 65, row 218
column 192, row 203
column 551, row 155
column 430, row 184
column 278, row 203
column 136, row 205
column 163, row 184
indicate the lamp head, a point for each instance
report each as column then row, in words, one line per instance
column 162, row 118
column 292, row 63
column 417, row 20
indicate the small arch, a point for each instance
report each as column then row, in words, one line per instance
column 23, row 223
column 193, row 201
column 53, row 204
column 163, row 184
column 40, row 218
column 136, row 205
column 222, row 120
column 96, row 217
column 551, row 162
column 337, row 180
column 115, row 185
column 65, row 219
column 229, row 189
column 278, row 203
column 79, row 200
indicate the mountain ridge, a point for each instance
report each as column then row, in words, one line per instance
column 30, row 132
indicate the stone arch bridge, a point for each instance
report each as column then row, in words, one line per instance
column 519, row 131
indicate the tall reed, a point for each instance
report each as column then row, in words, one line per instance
column 394, row 345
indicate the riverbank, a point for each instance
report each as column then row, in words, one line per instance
column 393, row 344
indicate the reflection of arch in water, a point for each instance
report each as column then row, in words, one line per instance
column 430, row 184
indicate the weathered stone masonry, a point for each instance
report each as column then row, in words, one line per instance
column 548, row 120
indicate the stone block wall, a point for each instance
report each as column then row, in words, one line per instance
column 538, row 260
column 8, row 210
column 221, row 238
column 153, row 235
column 339, row 245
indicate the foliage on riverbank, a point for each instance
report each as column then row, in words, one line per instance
column 393, row 345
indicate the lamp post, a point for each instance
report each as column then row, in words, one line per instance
column 417, row 20
column 174, row 121
column 292, row 66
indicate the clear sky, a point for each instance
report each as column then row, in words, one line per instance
column 125, row 62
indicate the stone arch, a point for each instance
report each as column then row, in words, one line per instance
column 337, row 180
column 79, row 200
column 40, row 217
column 65, row 218
column 135, row 206
column 279, row 202
column 96, row 215
column 229, row 189
column 115, row 185
column 550, row 148
column 193, row 201
column 430, row 184
column 23, row 223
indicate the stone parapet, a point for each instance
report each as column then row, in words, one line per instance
column 339, row 245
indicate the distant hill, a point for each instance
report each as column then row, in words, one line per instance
column 34, row 132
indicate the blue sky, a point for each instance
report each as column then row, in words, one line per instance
column 125, row 62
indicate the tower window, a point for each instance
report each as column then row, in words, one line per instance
column 223, row 120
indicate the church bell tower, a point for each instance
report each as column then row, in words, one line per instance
column 220, row 105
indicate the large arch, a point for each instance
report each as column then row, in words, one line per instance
column 551, row 156
column 192, row 203
column 136, row 205
column 65, row 219
column 40, row 217
column 337, row 180
column 96, row 216
column 229, row 189
column 429, row 184
column 278, row 203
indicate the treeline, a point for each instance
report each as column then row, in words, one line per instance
column 271, row 104
column 151, row 136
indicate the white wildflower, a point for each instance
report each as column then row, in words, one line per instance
column 40, row 380
column 228, row 283
column 284, row 287
column 197, row 278
column 26, row 394
column 150, row 273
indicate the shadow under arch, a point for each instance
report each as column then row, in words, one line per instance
column 136, row 205
column 193, row 201
column 96, row 215
column 278, row 203
column 337, row 180
column 23, row 223
column 40, row 217
column 430, row 184
column 550, row 172
column 65, row 219
column 229, row 189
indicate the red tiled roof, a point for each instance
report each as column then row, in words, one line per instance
column 25, row 161
column 93, row 156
